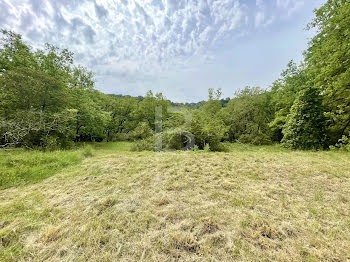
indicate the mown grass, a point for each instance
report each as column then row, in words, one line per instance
column 252, row 148
column 261, row 204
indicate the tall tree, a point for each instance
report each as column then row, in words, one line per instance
column 146, row 110
column 305, row 127
column 328, row 61
column 121, row 121
column 247, row 116
column 24, row 89
column 206, row 126
column 14, row 52
column 283, row 93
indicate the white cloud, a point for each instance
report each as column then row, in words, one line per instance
column 290, row 6
column 135, row 39
column 260, row 3
column 146, row 33
column 262, row 21
column 259, row 18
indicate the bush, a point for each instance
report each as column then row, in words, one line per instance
column 178, row 139
column 224, row 147
column 144, row 145
column 142, row 131
column 255, row 139
column 343, row 144
column 31, row 129
column 207, row 129
column 305, row 127
column 52, row 143
column 120, row 137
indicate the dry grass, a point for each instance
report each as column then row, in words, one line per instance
column 243, row 206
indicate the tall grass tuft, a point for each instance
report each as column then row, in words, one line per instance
column 88, row 151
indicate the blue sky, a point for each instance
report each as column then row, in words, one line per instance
column 178, row 47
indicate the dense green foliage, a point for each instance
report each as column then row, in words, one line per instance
column 283, row 93
column 248, row 116
column 328, row 60
column 46, row 101
column 305, row 127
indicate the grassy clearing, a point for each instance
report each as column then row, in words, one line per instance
column 22, row 167
column 19, row 167
column 261, row 204
column 110, row 146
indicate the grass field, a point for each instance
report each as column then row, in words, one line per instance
column 252, row 204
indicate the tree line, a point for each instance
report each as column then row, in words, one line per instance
column 46, row 101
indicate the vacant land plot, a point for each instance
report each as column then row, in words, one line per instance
column 247, row 205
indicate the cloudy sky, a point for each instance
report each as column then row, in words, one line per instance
column 178, row 47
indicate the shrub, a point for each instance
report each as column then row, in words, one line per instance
column 224, row 147
column 305, row 127
column 343, row 144
column 142, row 131
column 172, row 139
column 207, row 129
column 177, row 139
column 255, row 139
column 121, row 137
column 144, row 145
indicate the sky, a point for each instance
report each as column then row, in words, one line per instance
column 177, row 47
